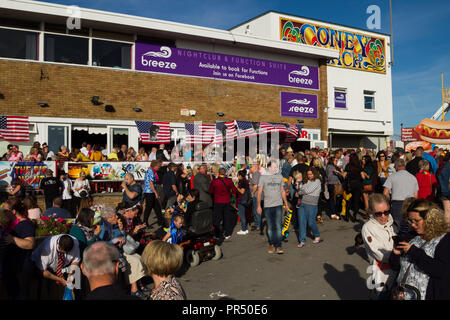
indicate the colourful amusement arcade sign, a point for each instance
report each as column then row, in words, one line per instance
column 356, row 51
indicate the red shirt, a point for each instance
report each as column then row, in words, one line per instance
column 427, row 184
column 220, row 192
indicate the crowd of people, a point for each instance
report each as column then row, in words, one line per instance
column 399, row 195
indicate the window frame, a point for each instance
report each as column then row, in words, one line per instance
column 373, row 96
column 37, row 43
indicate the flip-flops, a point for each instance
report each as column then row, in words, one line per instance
column 301, row 245
column 317, row 241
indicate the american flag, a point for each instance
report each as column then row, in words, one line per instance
column 228, row 128
column 154, row 132
column 296, row 131
column 246, row 128
column 197, row 133
column 14, row 128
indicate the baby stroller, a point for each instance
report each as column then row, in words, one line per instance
column 198, row 242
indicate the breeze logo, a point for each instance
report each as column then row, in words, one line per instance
column 302, row 108
column 340, row 97
column 165, row 53
column 296, row 76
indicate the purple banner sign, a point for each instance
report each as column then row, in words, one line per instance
column 340, row 100
column 298, row 105
column 221, row 66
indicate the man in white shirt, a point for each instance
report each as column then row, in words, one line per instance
column 55, row 254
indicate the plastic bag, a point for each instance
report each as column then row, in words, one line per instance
column 68, row 294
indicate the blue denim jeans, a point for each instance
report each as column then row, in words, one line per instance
column 307, row 217
column 256, row 217
column 242, row 217
column 274, row 221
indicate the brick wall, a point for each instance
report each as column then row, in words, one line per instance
column 69, row 89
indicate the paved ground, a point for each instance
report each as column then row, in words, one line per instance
column 332, row 269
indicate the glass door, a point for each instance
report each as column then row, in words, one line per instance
column 57, row 137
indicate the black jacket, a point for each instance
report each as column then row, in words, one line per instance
column 437, row 268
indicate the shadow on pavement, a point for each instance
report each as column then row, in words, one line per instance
column 361, row 251
column 340, row 281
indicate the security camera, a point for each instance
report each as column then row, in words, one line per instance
column 192, row 113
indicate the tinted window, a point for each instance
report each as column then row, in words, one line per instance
column 66, row 49
column 111, row 54
column 18, row 44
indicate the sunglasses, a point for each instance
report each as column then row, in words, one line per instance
column 413, row 221
column 386, row 213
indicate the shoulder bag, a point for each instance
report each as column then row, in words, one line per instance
column 398, row 291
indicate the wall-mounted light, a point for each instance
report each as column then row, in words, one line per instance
column 137, row 109
column 95, row 101
column 300, row 121
column 2, row 96
column 43, row 104
column 220, row 114
column 109, row 108
column 192, row 113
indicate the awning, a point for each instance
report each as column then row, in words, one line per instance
column 91, row 130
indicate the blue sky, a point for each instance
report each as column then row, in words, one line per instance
column 421, row 36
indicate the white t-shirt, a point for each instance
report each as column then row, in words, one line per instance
column 79, row 184
column 66, row 195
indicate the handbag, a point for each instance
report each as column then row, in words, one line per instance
column 338, row 190
column 246, row 199
column 130, row 246
column 398, row 290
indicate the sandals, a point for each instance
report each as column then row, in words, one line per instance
column 301, row 245
column 319, row 219
column 317, row 241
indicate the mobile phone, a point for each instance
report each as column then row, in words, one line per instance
column 397, row 239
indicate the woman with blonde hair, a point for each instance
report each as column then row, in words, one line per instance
column 113, row 155
column 215, row 170
column 424, row 262
column 142, row 155
column 161, row 260
column 408, row 157
column 194, row 173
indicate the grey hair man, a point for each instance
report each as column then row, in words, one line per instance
column 101, row 267
column 399, row 186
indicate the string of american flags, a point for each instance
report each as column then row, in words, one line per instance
column 221, row 131
column 16, row 128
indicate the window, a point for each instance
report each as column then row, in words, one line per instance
column 66, row 49
column 111, row 54
column 340, row 98
column 369, row 100
column 18, row 44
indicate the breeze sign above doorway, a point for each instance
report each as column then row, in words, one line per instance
column 298, row 105
column 163, row 59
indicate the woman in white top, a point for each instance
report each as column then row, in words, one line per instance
column 377, row 234
column 81, row 189
column 67, row 193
